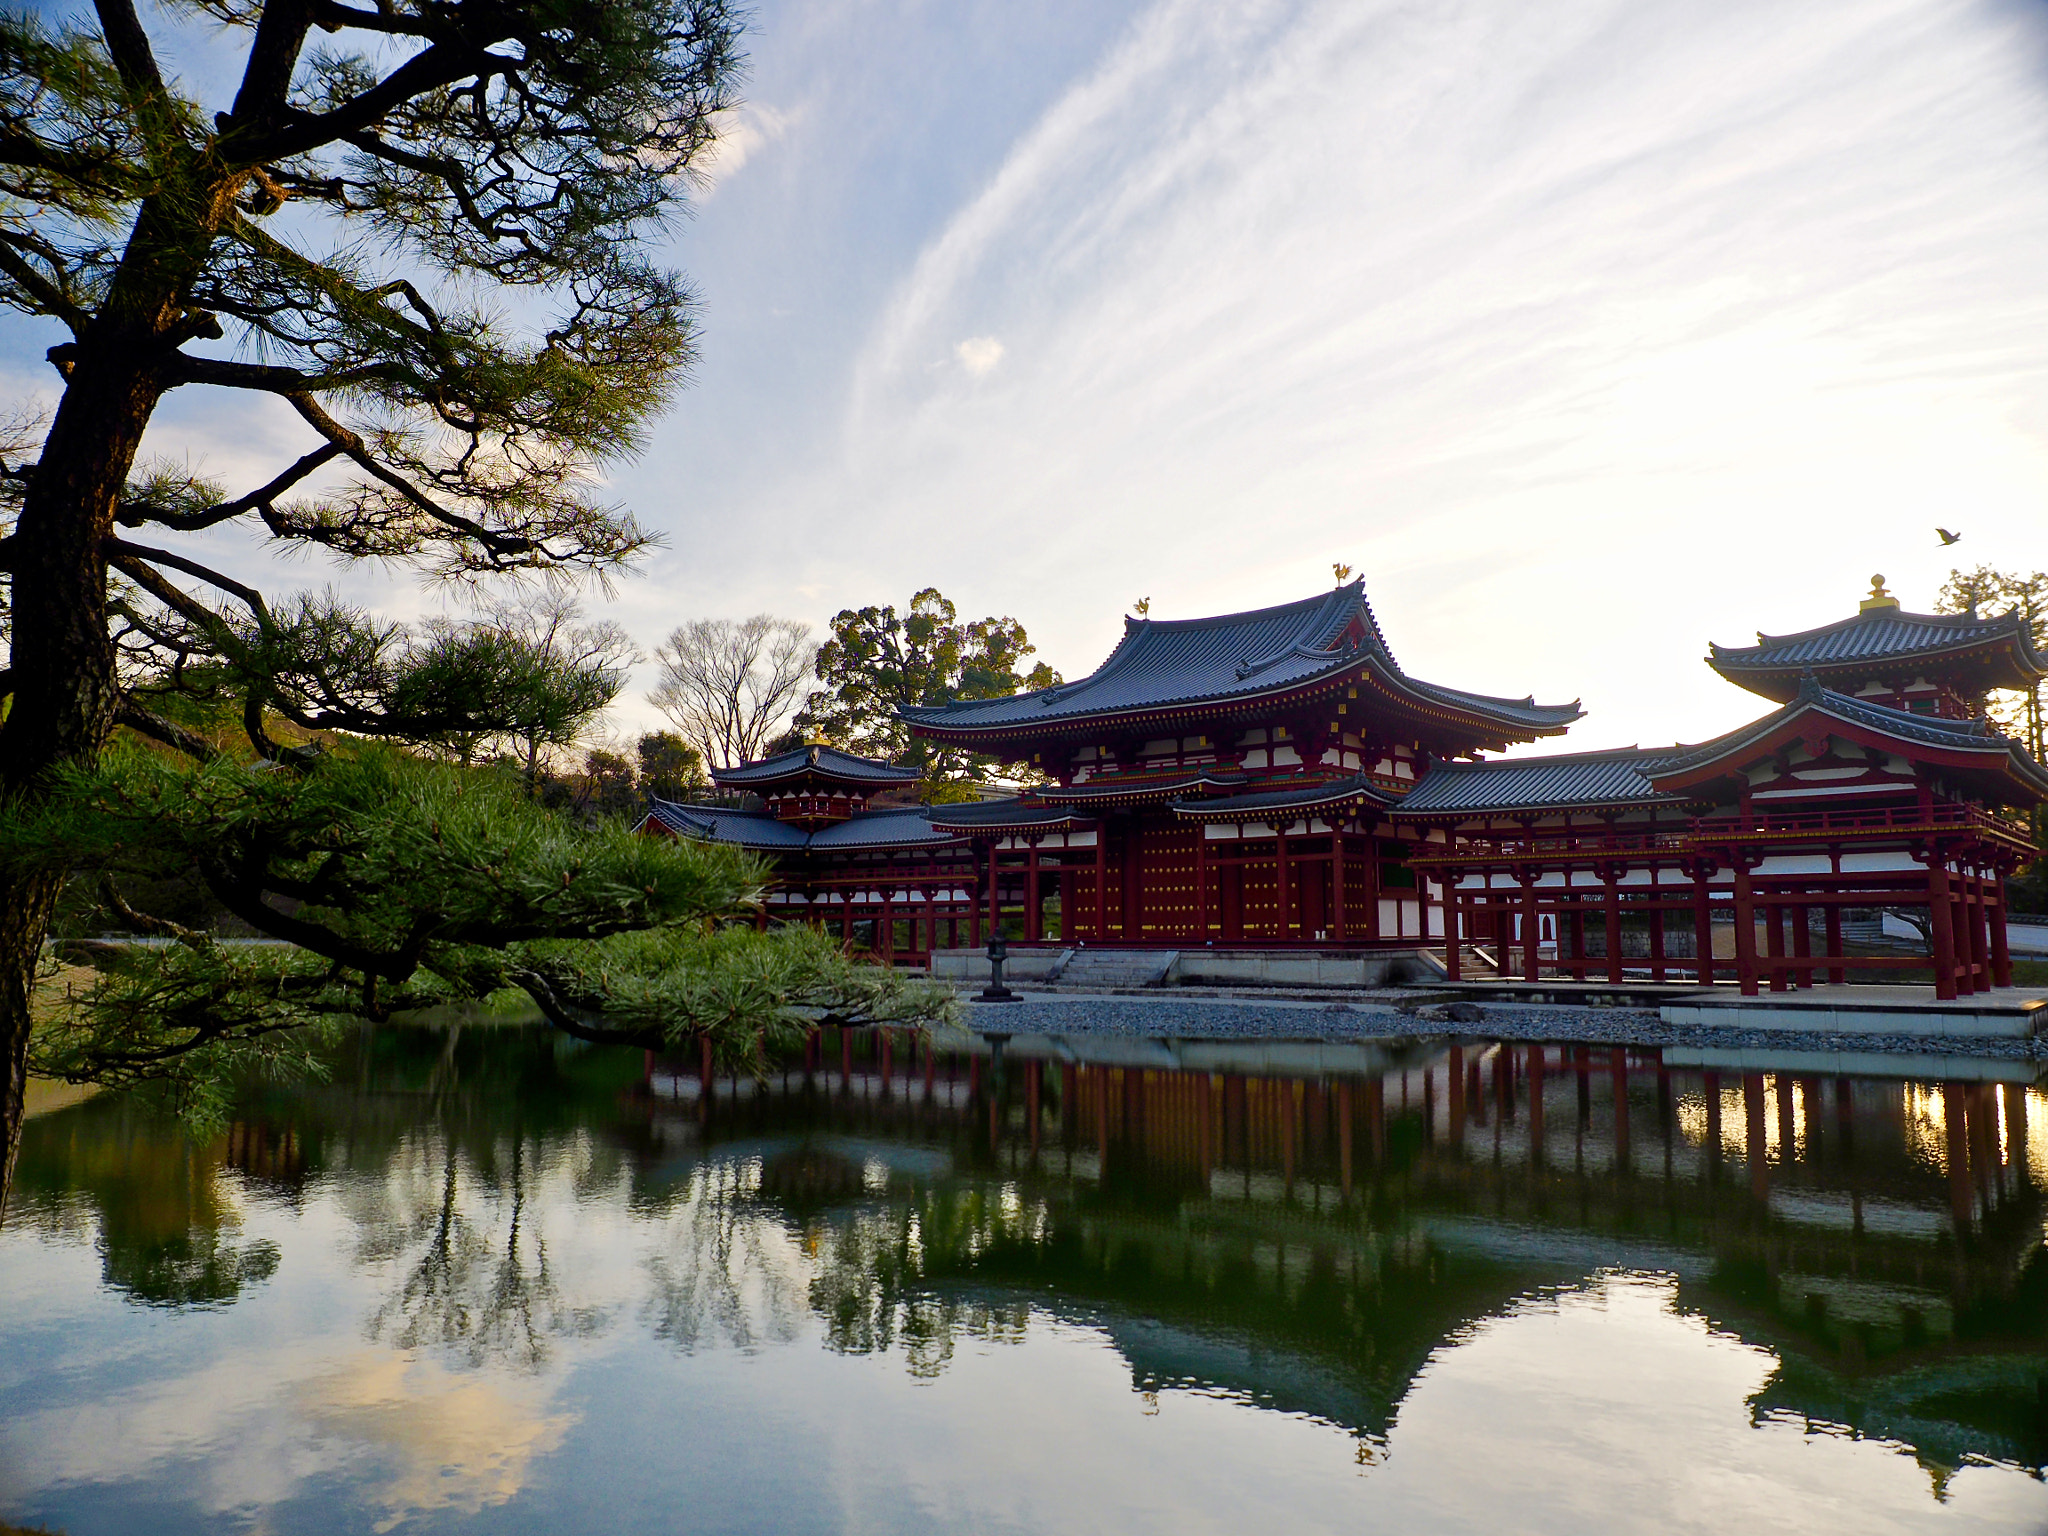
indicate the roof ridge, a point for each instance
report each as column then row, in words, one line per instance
column 1273, row 610
column 1766, row 642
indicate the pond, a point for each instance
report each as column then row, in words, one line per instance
column 486, row 1279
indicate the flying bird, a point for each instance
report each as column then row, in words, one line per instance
column 1947, row 538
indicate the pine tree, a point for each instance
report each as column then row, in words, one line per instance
column 420, row 229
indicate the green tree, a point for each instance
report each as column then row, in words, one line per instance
column 420, row 228
column 2017, row 712
column 878, row 662
column 608, row 788
column 670, row 768
column 1988, row 589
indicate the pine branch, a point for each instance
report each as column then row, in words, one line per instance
column 135, row 514
column 169, row 732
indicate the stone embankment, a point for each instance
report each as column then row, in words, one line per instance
column 1396, row 1014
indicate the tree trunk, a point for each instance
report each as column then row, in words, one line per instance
column 65, row 691
column 65, row 688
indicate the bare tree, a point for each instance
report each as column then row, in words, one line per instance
column 729, row 685
column 569, row 671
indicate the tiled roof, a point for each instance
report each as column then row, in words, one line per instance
column 1335, row 791
column 828, row 762
column 716, row 824
column 1124, row 786
column 1007, row 815
column 1882, row 635
column 1629, row 776
column 1578, row 779
column 893, row 827
column 1976, row 736
column 1162, row 662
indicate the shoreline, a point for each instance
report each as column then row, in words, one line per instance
column 1277, row 1019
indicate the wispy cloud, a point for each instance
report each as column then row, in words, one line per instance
column 1588, row 332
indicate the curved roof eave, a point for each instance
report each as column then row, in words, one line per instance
column 1964, row 740
column 1972, row 633
column 1169, row 667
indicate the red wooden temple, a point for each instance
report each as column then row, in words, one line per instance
column 1274, row 780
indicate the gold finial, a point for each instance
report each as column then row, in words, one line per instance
column 1343, row 572
column 1142, row 607
column 1879, row 598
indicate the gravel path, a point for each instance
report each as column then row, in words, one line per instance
column 1248, row 1019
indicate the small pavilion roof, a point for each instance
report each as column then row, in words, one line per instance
column 1999, row 650
column 891, row 827
column 1616, row 779
column 1234, row 658
column 814, row 761
column 721, row 824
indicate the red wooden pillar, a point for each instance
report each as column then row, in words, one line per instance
column 1802, row 941
column 1454, row 927
column 885, row 934
column 1980, row 935
column 1101, row 880
column 1337, row 881
column 1774, row 943
column 1745, row 929
column 1836, row 973
column 1280, row 878
column 846, row 920
column 995, row 889
column 1656, row 924
column 1610, row 881
column 1940, row 926
column 1372, row 888
column 1532, row 929
column 1033, row 919
column 1703, row 924
column 2001, row 953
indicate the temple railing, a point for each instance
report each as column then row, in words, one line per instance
column 1708, row 833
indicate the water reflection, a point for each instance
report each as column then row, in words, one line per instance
column 459, row 1226
column 1303, row 1225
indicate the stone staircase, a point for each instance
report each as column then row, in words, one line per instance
column 1104, row 970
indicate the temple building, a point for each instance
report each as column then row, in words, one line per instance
column 1274, row 780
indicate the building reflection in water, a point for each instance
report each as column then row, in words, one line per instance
column 1295, row 1225
column 1303, row 1224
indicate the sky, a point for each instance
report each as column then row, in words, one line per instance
column 1586, row 332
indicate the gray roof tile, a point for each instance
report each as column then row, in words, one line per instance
column 1306, row 797
column 892, row 827
column 1882, row 635
column 1578, row 779
column 1163, row 662
column 828, row 762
